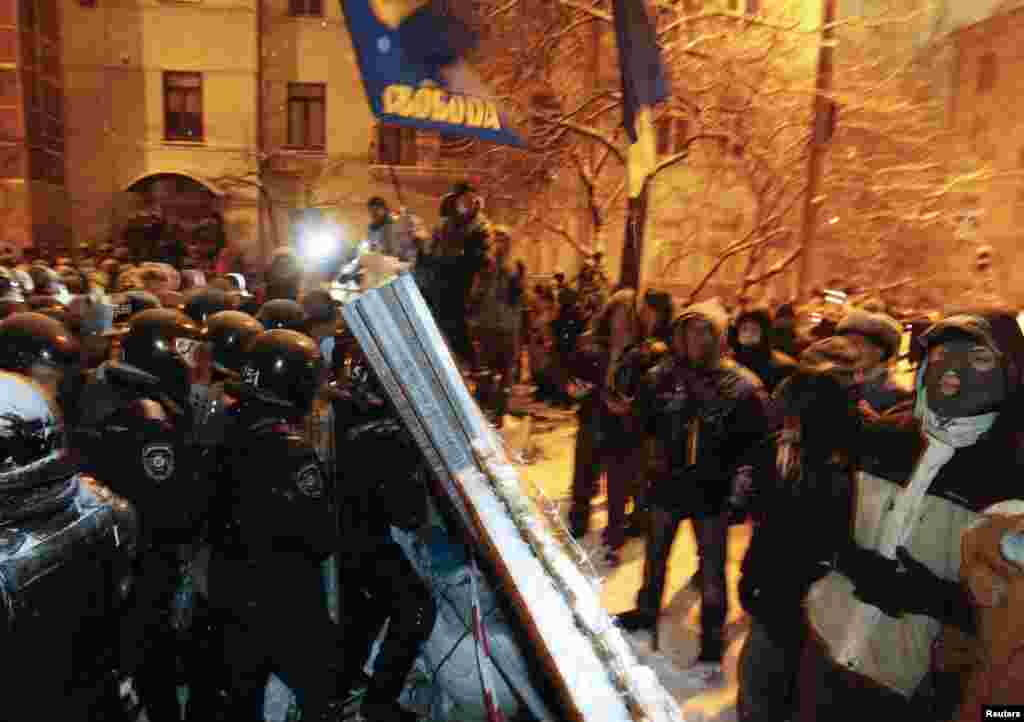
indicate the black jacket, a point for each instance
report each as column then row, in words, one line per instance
column 731, row 408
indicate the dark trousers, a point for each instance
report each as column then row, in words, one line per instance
column 586, row 475
column 498, row 360
column 149, row 642
column 622, row 466
column 712, row 537
column 379, row 586
column 829, row 692
column 284, row 629
column 767, row 673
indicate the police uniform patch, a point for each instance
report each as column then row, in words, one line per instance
column 310, row 481
column 158, row 461
column 250, row 376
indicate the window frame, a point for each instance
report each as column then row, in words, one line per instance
column 302, row 8
column 988, row 72
column 403, row 142
column 306, row 102
column 168, row 77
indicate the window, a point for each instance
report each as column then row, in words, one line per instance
column 396, row 145
column 306, row 115
column 307, row 8
column 183, row 106
column 986, row 72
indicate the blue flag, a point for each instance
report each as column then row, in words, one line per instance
column 411, row 60
column 643, row 84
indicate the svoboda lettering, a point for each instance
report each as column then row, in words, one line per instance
column 441, row 107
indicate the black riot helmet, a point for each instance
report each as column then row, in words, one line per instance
column 282, row 313
column 45, row 280
column 37, row 476
column 10, row 289
column 228, row 332
column 201, row 303
column 33, row 339
column 162, row 342
column 282, row 369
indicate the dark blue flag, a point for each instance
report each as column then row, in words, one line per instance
column 414, row 72
column 643, row 84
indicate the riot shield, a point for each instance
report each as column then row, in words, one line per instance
column 589, row 670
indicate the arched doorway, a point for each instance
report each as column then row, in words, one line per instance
column 179, row 221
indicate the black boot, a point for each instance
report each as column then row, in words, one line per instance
column 637, row 619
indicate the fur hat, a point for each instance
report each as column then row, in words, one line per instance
column 882, row 330
column 840, row 356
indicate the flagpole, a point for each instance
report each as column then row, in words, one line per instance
column 633, row 248
column 823, row 115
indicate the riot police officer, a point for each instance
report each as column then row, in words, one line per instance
column 134, row 432
column 12, row 296
column 59, row 627
column 269, row 575
column 382, row 484
column 201, row 303
column 43, row 349
column 227, row 333
column 282, row 313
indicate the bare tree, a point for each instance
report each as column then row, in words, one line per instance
column 742, row 89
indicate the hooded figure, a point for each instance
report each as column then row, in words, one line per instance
column 876, row 617
column 752, row 343
column 709, row 416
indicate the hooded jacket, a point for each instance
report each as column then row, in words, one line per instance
column 921, row 488
column 707, row 422
column 770, row 365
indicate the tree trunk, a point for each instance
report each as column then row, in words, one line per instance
column 633, row 247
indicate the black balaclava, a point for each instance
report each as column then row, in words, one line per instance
column 963, row 377
column 963, row 380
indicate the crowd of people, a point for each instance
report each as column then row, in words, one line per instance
column 861, row 488
column 163, row 507
column 166, row 515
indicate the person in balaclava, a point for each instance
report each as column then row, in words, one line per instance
column 710, row 419
column 876, row 617
column 750, row 338
column 880, row 335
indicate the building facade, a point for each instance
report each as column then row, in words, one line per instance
column 987, row 82
column 248, row 112
column 34, row 208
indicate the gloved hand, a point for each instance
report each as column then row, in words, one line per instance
column 905, row 586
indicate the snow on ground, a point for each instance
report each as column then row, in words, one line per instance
column 553, row 432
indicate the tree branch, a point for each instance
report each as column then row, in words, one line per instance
column 776, row 268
